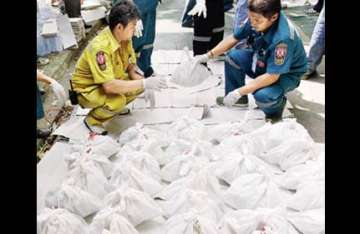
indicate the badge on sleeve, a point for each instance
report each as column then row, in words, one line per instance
column 100, row 59
column 280, row 53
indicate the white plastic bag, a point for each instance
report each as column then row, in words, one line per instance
column 189, row 73
column 246, row 144
column 135, row 205
column 231, row 168
column 186, row 128
column 60, row 221
column 309, row 195
column 242, row 221
column 192, row 200
column 110, row 221
column 253, row 190
column 100, row 160
column 103, row 146
column 310, row 170
column 127, row 174
column 201, row 181
column 216, row 134
column 258, row 221
column 100, row 145
column 130, row 134
column 283, row 132
column 290, row 153
column 89, row 177
column 156, row 148
column 136, row 135
column 142, row 161
column 309, row 222
column 176, row 148
column 183, row 165
column 189, row 223
column 73, row 199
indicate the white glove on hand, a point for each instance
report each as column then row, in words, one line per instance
column 138, row 28
column 155, row 82
column 149, row 95
column 231, row 98
column 199, row 8
column 59, row 91
column 203, row 58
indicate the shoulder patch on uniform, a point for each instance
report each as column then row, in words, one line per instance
column 280, row 53
column 101, row 61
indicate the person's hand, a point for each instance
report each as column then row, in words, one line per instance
column 138, row 28
column 199, row 8
column 231, row 98
column 59, row 91
column 155, row 82
column 149, row 95
column 203, row 58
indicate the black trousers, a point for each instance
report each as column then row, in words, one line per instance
column 209, row 31
column 72, row 8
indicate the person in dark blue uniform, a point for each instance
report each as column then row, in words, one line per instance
column 273, row 56
column 144, row 43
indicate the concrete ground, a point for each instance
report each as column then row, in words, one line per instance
column 308, row 99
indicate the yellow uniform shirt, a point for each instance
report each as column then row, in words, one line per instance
column 104, row 59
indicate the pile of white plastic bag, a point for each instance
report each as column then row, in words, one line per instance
column 198, row 179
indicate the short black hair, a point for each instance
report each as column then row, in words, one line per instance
column 266, row 8
column 122, row 13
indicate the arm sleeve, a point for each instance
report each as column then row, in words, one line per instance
column 242, row 31
column 100, row 65
column 280, row 59
column 132, row 58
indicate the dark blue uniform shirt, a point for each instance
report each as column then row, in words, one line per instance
column 278, row 51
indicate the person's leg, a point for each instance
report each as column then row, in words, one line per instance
column 39, row 105
column 144, row 61
column 317, row 44
column 104, row 107
column 271, row 99
column 217, row 20
column 202, row 34
column 237, row 65
column 73, row 8
column 40, row 133
column 241, row 13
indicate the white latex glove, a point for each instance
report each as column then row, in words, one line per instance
column 149, row 95
column 203, row 58
column 138, row 28
column 199, row 8
column 155, row 82
column 59, row 91
column 232, row 97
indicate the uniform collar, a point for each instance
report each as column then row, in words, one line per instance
column 114, row 44
column 278, row 30
column 268, row 36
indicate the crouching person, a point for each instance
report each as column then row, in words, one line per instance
column 106, row 77
column 273, row 56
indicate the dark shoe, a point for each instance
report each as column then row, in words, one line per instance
column 242, row 102
column 42, row 92
column 124, row 111
column 276, row 117
column 95, row 129
column 149, row 72
column 309, row 74
column 43, row 133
